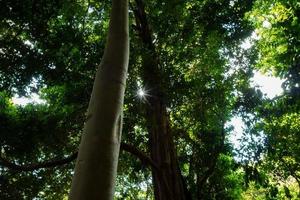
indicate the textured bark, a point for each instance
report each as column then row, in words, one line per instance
column 96, row 165
column 167, row 181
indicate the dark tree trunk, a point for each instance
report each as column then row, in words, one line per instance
column 167, row 181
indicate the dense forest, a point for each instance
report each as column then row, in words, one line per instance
column 188, row 72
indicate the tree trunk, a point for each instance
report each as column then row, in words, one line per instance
column 96, row 165
column 167, row 181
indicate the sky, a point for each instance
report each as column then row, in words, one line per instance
column 270, row 87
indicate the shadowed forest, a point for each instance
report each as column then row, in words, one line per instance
column 137, row 100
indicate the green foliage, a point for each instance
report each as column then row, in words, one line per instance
column 54, row 47
column 227, row 181
column 276, row 25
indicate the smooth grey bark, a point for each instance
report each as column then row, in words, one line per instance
column 96, row 165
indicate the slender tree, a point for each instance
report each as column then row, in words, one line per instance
column 97, row 160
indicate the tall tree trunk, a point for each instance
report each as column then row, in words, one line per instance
column 168, row 184
column 96, row 165
column 167, row 181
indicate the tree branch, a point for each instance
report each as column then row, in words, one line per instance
column 141, row 155
column 34, row 166
column 4, row 162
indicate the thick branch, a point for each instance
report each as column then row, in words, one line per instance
column 34, row 166
column 62, row 161
column 141, row 155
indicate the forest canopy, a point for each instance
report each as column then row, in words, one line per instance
column 189, row 74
